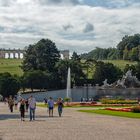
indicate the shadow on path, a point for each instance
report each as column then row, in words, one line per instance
column 17, row 116
column 9, row 116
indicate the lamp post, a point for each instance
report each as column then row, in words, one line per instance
column 87, row 92
column 86, row 88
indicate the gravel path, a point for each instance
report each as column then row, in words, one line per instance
column 72, row 126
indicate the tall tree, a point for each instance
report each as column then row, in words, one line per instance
column 76, row 57
column 41, row 56
column 9, row 85
column 106, row 71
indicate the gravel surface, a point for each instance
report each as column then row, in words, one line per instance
column 73, row 125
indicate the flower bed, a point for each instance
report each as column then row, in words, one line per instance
column 128, row 109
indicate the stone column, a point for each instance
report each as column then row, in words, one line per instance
column 8, row 55
column 18, row 55
column 14, row 55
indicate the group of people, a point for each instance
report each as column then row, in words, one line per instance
column 30, row 104
column 50, row 103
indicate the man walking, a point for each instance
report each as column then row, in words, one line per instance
column 50, row 106
column 32, row 107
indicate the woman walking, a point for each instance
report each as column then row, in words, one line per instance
column 60, row 106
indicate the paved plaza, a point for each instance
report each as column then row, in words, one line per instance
column 73, row 125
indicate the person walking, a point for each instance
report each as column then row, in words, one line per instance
column 60, row 106
column 50, row 106
column 16, row 103
column 11, row 103
column 32, row 107
column 22, row 109
column 27, row 104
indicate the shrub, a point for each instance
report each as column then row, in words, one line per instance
column 1, row 97
column 136, row 109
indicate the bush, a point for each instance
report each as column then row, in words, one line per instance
column 1, row 97
column 136, row 109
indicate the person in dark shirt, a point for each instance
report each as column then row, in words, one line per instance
column 27, row 104
column 22, row 109
column 60, row 106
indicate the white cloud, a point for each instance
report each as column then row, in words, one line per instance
column 24, row 22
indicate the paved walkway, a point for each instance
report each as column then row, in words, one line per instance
column 72, row 126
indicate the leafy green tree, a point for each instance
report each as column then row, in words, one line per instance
column 41, row 56
column 126, row 54
column 101, row 54
column 9, row 85
column 106, row 71
column 128, row 42
column 138, row 70
column 134, row 54
column 76, row 70
column 76, row 57
column 36, row 79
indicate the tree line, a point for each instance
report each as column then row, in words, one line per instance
column 127, row 49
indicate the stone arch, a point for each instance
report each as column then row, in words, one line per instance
column 16, row 55
column 21, row 55
column 6, row 55
column 11, row 55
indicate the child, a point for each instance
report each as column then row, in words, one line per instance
column 22, row 109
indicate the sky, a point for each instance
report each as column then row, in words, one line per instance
column 76, row 25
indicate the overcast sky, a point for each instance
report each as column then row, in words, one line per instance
column 77, row 25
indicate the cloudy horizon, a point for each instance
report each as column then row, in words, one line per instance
column 77, row 25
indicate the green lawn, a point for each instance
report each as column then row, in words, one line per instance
column 11, row 65
column 120, row 63
column 41, row 105
column 78, row 106
column 113, row 113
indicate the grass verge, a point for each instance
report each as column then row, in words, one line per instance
column 113, row 113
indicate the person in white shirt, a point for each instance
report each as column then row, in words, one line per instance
column 32, row 107
column 50, row 106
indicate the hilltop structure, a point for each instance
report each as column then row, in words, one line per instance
column 19, row 54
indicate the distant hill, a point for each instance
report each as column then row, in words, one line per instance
column 127, row 49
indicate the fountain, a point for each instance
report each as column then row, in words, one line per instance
column 68, row 94
column 127, row 81
column 127, row 87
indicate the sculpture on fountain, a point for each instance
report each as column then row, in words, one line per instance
column 127, row 81
column 130, row 80
column 105, row 84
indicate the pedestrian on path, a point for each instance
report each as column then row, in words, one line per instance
column 60, row 106
column 27, row 104
column 11, row 103
column 16, row 103
column 22, row 109
column 50, row 106
column 32, row 107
